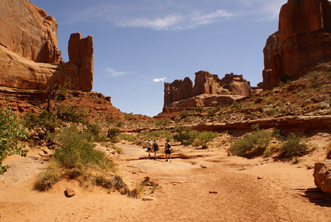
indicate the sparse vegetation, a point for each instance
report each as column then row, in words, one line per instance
column 294, row 146
column 11, row 132
column 252, row 144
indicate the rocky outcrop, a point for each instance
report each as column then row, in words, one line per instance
column 28, row 31
column 307, row 125
column 81, row 54
column 208, row 91
column 302, row 41
column 29, row 55
column 322, row 176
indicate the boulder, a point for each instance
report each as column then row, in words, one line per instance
column 303, row 41
column 27, row 31
column 322, row 176
column 69, row 192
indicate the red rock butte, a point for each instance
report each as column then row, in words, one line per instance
column 208, row 91
column 302, row 41
column 29, row 54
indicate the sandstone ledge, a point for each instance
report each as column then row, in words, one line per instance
column 301, row 124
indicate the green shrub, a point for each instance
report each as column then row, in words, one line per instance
column 113, row 133
column 203, row 138
column 184, row 135
column 10, row 133
column 76, row 151
column 70, row 114
column 294, row 146
column 314, row 84
column 253, row 144
column 127, row 137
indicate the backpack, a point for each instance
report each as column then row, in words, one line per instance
column 155, row 145
column 168, row 146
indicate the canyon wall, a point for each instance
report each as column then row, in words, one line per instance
column 29, row 54
column 302, row 41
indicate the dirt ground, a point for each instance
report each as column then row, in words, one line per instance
column 208, row 185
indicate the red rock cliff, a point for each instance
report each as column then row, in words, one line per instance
column 27, row 30
column 29, row 55
column 302, row 41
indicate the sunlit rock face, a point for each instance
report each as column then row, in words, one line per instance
column 208, row 91
column 29, row 54
column 303, row 41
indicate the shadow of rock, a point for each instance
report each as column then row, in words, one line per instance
column 317, row 197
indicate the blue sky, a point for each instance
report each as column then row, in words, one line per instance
column 140, row 44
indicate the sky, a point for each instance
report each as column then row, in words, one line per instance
column 141, row 44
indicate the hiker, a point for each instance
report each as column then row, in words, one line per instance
column 168, row 150
column 149, row 146
column 156, row 148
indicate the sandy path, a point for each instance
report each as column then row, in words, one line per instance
column 215, row 188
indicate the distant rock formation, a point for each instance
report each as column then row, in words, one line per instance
column 208, row 91
column 29, row 54
column 302, row 41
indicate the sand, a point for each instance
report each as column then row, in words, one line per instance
column 211, row 187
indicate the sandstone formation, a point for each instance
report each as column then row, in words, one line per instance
column 208, row 91
column 28, row 31
column 302, row 41
column 322, row 176
column 81, row 54
column 29, row 55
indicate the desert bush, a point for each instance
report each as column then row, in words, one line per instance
column 49, row 177
column 127, row 137
column 113, row 133
column 45, row 121
column 314, row 84
column 76, row 151
column 294, row 146
column 11, row 132
column 70, row 114
column 252, row 144
column 184, row 135
column 203, row 138
column 154, row 135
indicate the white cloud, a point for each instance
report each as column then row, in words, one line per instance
column 172, row 15
column 114, row 73
column 164, row 23
column 152, row 17
column 160, row 79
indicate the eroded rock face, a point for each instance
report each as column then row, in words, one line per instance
column 302, row 41
column 27, row 30
column 81, row 54
column 322, row 176
column 208, row 91
column 29, row 55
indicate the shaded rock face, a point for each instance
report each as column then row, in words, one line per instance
column 28, row 31
column 322, row 176
column 182, row 94
column 29, row 55
column 81, row 54
column 302, row 41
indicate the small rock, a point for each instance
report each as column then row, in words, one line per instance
column 148, row 198
column 202, row 166
column 69, row 192
column 309, row 167
column 260, row 178
column 213, row 192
